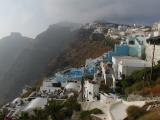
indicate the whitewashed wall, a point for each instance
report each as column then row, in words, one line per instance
column 149, row 53
column 91, row 90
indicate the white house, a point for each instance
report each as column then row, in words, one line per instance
column 156, row 26
column 99, row 30
column 116, row 60
column 107, row 71
column 72, row 86
column 156, row 29
column 156, row 33
column 114, row 36
column 50, row 86
column 127, row 66
column 150, row 47
column 37, row 103
column 91, row 90
column 104, row 66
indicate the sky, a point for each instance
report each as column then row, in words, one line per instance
column 31, row 17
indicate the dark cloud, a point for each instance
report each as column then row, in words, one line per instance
column 130, row 11
column 33, row 16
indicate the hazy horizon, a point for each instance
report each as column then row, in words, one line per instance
column 31, row 17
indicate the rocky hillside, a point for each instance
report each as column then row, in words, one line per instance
column 24, row 60
column 58, row 47
column 10, row 49
column 76, row 55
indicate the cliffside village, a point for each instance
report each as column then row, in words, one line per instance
column 135, row 52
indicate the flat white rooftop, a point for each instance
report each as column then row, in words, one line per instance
column 126, row 57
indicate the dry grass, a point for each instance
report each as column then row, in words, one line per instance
column 155, row 91
column 150, row 116
column 76, row 55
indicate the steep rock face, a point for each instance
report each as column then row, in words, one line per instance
column 10, row 49
column 30, row 63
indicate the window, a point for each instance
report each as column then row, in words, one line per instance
column 56, row 84
column 131, row 43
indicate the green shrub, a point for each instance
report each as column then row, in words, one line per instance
column 72, row 104
column 96, row 111
column 67, row 112
column 134, row 82
column 2, row 115
column 77, row 107
column 85, row 115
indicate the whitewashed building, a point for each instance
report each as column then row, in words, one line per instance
column 156, row 26
column 103, row 67
column 107, row 72
column 99, row 30
column 156, row 29
column 50, row 86
column 91, row 90
column 115, row 63
column 37, row 103
column 72, row 86
column 150, row 47
column 128, row 65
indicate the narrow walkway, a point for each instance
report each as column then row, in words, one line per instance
column 119, row 111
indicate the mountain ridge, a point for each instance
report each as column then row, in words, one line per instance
column 31, row 62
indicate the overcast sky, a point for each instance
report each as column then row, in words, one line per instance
column 30, row 17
